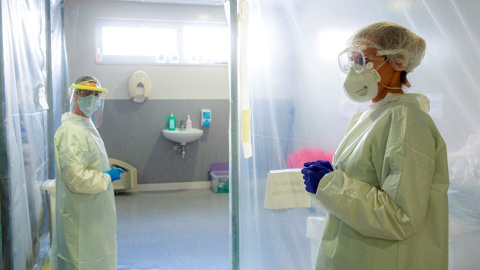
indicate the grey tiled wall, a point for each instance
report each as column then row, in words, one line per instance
column 132, row 132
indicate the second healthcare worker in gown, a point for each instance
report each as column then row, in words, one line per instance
column 386, row 193
column 84, row 235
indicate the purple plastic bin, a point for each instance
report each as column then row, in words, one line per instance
column 223, row 166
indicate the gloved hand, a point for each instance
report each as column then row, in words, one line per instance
column 314, row 172
column 114, row 173
column 325, row 163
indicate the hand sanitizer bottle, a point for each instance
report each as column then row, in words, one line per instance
column 171, row 122
column 189, row 122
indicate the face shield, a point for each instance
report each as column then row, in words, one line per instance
column 87, row 100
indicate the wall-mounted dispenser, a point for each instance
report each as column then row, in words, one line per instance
column 139, row 86
column 206, row 117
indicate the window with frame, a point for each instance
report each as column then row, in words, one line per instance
column 153, row 42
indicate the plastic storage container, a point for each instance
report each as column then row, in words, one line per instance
column 220, row 181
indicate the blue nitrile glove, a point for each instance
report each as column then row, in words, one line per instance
column 314, row 172
column 325, row 163
column 114, row 173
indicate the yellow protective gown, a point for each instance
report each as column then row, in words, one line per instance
column 85, row 234
column 387, row 199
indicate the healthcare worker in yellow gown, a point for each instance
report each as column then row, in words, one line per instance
column 84, row 234
column 386, row 193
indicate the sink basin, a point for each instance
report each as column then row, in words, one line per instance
column 182, row 136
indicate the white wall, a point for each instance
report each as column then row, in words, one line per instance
column 169, row 81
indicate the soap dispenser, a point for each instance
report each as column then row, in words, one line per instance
column 189, row 122
column 171, row 122
column 206, row 117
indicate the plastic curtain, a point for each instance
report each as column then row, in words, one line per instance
column 25, row 237
column 298, row 110
column 3, row 149
column 59, row 71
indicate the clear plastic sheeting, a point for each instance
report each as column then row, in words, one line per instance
column 25, row 234
column 299, row 111
column 464, row 198
column 59, row 69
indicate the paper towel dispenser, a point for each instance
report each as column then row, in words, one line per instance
column 139, row 86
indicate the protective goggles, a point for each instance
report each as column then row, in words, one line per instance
column 355, row 58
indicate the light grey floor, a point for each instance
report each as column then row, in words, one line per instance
column 173, row 230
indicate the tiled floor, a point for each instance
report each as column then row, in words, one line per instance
column 173, row 230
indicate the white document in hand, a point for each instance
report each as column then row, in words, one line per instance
column 285, row 189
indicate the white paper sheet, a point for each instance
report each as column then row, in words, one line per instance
column 285, row 189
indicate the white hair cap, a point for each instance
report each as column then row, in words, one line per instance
column 87, row 78
column 403, row 48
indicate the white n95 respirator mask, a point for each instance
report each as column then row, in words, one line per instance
column 362, row 86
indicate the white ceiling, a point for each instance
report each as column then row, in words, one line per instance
column 182, row 2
